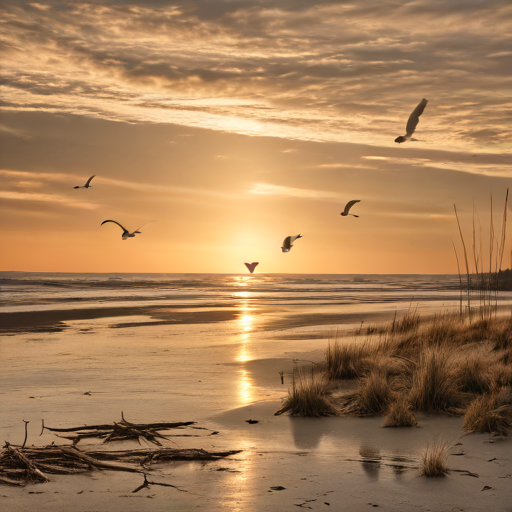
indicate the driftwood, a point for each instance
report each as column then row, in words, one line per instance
column 31, row 470
column 125, row 430
column 147, row 483
column 19, row 466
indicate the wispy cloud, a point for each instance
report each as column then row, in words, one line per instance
column 501, row 170
column 37, row 176
column 47, row 198
column 24, row 179
column 12, row 131
column 278, row 190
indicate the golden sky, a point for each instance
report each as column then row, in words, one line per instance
column 235, row 124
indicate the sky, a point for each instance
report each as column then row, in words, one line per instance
column 234, row 124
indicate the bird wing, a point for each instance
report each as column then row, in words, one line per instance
column 349, row 205
column 89, row 180
column 122, row 227
column 287, row 242
column 144, row 225
column 251, row 266
column 414, row 118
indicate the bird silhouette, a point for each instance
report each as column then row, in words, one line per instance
column 126, row 234
column 88, row 184
column 349, row 205
column 287, row 243
column 251, row 266
column 413, row 121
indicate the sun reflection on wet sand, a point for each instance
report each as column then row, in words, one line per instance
column 245, row 323
column 243, row 355
column 245, row 387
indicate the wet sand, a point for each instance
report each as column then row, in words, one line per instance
column 221, row 375
column 316, row 464
column 53, row 320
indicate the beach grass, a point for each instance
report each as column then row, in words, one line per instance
column 433, row 459
column 490, row 412
column 346, row 360
column 372, row 397
column 443, row 364
column 400, row 413
column 308, row 395
column 435, row 386
column 434, row 365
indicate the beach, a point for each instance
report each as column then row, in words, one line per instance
column 82, row 349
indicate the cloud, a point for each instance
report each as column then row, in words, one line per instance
column 278, row 190
column 320, row 70
column 36, row 176
column 32, row 178
column 11, row 131
column 51, row 198
column 498, row 169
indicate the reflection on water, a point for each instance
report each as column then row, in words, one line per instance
column 241, row 281
column 245, row 387
column 306, row 432
column 371, row 461
column 243, row 355
column 245, row 321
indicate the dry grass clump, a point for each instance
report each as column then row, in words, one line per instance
column 392, row 366
column 503, row 338
column 308, row 395
column 476, row 371
column 441, row 363
column 435, row 387
column 372, row 397
column 490, row 412
column 443, row 329
column 349, row 360
column 400, row 414
column 502, row 375
column 452, row 330
column 433, row 459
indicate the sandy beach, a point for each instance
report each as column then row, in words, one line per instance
column 219, row 364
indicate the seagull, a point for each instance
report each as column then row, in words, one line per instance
column 88, row 184
column 349, row 205
column 126, row 234
column 287, row 243
column 413, row 121
column 251, row 266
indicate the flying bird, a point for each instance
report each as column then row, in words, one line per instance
column 349, row 205
column 126, row 234
column 287, row 243
column 413, row 121
column 251, row 266
column 88, row 184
